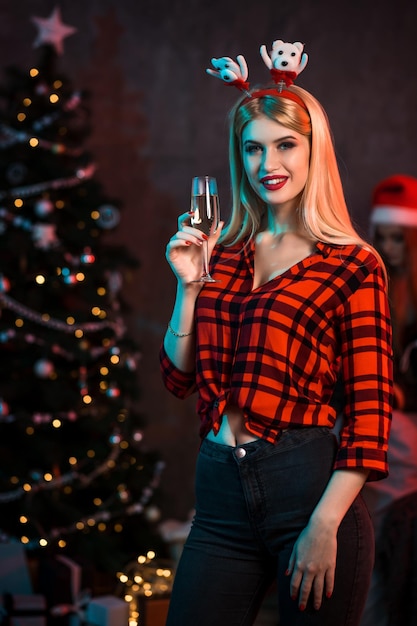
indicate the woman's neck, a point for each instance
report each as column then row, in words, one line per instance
column 278, row 223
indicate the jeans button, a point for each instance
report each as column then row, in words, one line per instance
column 240, row 452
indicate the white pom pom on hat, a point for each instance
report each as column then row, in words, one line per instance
column 394, row 201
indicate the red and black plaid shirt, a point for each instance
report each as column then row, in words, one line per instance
column 276, row 351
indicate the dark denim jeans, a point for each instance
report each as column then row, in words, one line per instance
column 250, row 508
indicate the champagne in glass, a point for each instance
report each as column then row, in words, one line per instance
column 206, row 215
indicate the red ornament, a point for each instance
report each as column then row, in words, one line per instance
column 4, row 284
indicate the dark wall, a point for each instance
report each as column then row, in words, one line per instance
column 159, row 119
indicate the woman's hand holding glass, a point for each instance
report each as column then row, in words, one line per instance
column 184, row 251
column 189, row 251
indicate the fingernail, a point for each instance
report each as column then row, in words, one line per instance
column 329, row 594
column 287, row 572
column 191, row 212
column 204, row 236
column 188, row 243
column 302, row 607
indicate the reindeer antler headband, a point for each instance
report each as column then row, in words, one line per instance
column 285, row 61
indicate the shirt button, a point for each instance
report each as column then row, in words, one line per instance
column 240, row 452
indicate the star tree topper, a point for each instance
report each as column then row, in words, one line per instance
column 52, row 30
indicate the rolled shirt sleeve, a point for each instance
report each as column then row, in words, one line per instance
column 367, row 374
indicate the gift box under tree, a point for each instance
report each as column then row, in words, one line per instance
column 20, row 606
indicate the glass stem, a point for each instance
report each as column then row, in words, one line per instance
column 205, row 259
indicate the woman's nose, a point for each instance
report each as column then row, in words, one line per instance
column 387, row 247
column 271, row 160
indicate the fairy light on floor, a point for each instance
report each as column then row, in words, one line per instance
column 143, row 579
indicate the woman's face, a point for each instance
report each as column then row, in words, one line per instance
column 390, row 242
column 276, row 162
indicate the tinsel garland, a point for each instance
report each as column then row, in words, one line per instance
column 59, row 325
column 13, row 136
column 59, row 183
column 105, row 516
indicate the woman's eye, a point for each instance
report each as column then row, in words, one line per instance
column 252, row 148
column 286, row 145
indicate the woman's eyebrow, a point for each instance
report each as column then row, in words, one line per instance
column 249, row 140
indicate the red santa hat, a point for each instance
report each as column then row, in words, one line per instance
column 394, row 201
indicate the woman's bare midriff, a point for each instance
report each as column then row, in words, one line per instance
column 233, row 431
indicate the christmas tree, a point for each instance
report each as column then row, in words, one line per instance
column 75, row 478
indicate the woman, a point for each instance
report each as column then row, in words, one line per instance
column 394, row 230
column 300, row 299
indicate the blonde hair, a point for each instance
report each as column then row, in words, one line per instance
column 322, row 208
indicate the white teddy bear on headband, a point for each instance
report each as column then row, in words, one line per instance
column 285, row 61
column 231, row 72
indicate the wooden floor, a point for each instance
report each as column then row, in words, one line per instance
column 267, row 618
column 268, row 615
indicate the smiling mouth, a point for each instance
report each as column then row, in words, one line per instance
column 274, row 183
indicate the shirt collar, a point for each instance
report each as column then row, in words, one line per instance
column 323, row 248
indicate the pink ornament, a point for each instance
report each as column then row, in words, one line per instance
column 43, row 207
column 44, row 236
column 137, row 435
column 41, row 89
column 124, row 495
column 131, row 364
column 73, row 102
column 43, row 368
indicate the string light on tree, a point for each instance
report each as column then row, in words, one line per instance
column 72, row 453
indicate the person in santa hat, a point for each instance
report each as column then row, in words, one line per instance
column 393, row 222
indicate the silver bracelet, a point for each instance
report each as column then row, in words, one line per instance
column 172, row 331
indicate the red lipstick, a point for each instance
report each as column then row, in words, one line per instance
column 273, row 183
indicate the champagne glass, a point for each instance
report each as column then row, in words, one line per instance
column 206, row 216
